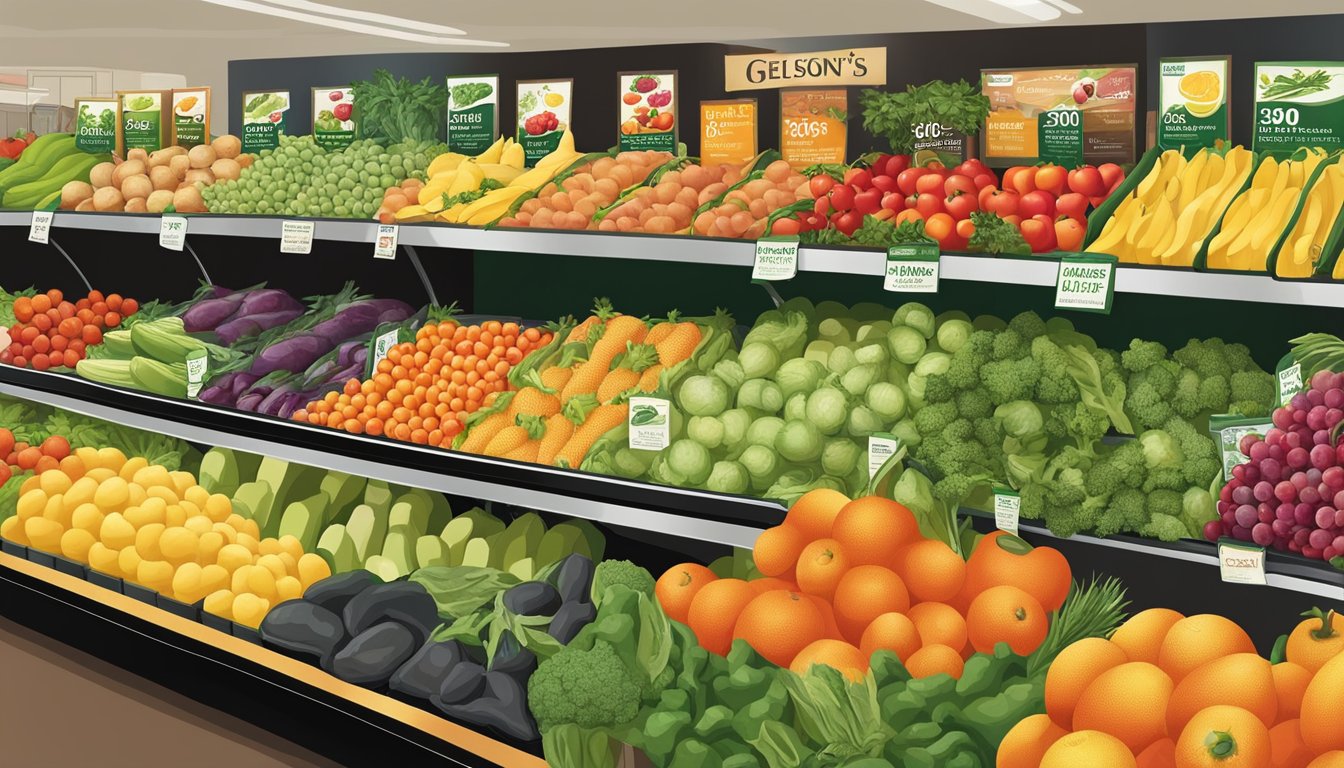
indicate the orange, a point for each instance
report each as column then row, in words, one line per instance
column 1159, row 754
column 1090, row 749
column 1320, row 708
column 771, row 583
column 714, row 611
column 777, row 549
column 814, row 512
column 1290, row 683
column 872, row 529
column 1129, row 702
column 677, row 587
column 827, row 616
column 1331, row 759
column 1199, row 639
column 820, row 567
column 864, row 593
column 931, row 570
column 845, row 658
column 1026, row 743
column 893, row 632
column 1073, row 670
column 1141, row 636
column 938, row 624
column 1222, row 736
column 1316, row 640
column 935, row 660
column 780, row 624
column 1002, row 558
column 1240, row 680
column 1006, row 614
column 1286, row 749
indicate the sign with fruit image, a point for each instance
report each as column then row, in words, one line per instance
column 143, row 124
column 1063, row 115
column 648, row 111
column 191, row 116
column 1193, row 108
column 263, row 119
column 473, row 113
column 1298, row 103
column 334, row 117
column 727, row 131
column 544, row 107
column 812, row 126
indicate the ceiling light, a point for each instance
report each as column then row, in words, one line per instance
column 1005, row 11
column 352, row 26
column 375, row 18
column 1065, row 6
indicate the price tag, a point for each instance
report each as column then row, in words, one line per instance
column 650, row 423
column 912, row 268
column 776, row 259
column 379, row 347
column 881, row 447
column 197, row 363
column 1290, row 381
column 1085, row 282
column 1007, row 509
column 296, row 237
column 40, row 230
column 1241, row 563
column 385, row 242
column 1059, row 134
column 173, row 233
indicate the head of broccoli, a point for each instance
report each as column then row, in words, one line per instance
column 612, row 572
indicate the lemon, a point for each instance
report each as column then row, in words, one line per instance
column 1203, row 91
column 554, row 99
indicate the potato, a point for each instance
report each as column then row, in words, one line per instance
column 159, row 158
column 136, row 186
column 108, row 199
column 202, row 175
column 159, row 200
column 188, row 200
column 201, row 156
column 179, row 165
column 74, row 193
column 136, row 205
column 126, row 170
column 227, row 146
column 226, row 168
column 138, row 154
column 175, row 150
column 162, row 177
column 101, row 174
column 85, row 205
column 245, row 161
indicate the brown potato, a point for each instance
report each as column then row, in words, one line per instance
column 226, row 168
column 74, row 193
column 126, row 170
column 159, row 158
column 227, row 146
column 163, row 177
column 201, row 156
column 159, row 200
column 101, row 174
column 202, row 175
column 85, row 205
column 138, row 154
column 245, row 161
column 108, row 199
column 136, row 205
column 188, row 200
column 138, row 185
column 179, row 164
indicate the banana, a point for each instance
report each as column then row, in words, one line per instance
column 445, row 162
column 513, row 156
column 412, row 213
column 468, row 178
column 500, row 172
column 490, row 206
column 1192, row 179
column 492, row 153
column 1158, row 234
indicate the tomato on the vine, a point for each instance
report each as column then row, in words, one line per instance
column 960, row 204
column 928, row 204
column 1087, row 180
column 1002, row 203
column 908, row 178
column 959, row 183
column 1052, row 179
column 931, row 183
column 859, row 177
column 820, row 184
column 1069, row 234
column 1038, row 202
column 1073, row 205
column 842, row 197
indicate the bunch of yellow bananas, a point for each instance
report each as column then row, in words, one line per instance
column 1257, row 217
column 1304, row 246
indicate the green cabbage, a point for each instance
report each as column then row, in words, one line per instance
column 841, row 360
column 735, row 424
column 826, row 410
column 690, row 460
column 953, row 333
column 799, row 441
column 762, row 464
column 862, row 422
column 886, row 400
column 916, row 316
column 858, row 379
column 839, row 456
column 799, row 375
column 764, row 430
column 728, row 477
column 796, row 406
column 906, row 344
column 933, row 363
column 872, row 354
column 729, row 372
column 703, row 396
column 762, row 394
column 758, row 359
column 705, row 430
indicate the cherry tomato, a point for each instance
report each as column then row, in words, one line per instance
column 1111, row 174
column 939, row 226
column 1069, row 234
column 965, row 228
column 842, row 197
column 868, row 201
column 931, row 183
column 1052, row 178
column 971, row 167
column 985, row 180
column 848, row 223
column 959, row 183
column 1038, row 202
column 896, row 165
column 885, row 183
column 1040, row 235
column 960, row 204
column 823, row 206
column 1087, row 180
column 786, row 226
column 893, row 201
column 929, row 204
column 859, row 177
column 820, row 184
column 1021, row 179
column 1002, row 202
column 906, row 180
column 1073, row 205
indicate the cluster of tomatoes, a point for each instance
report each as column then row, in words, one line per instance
column 18, row 456
column 1049, row 203
column 51, row 332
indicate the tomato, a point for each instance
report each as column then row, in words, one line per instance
column 958, row 183
column 868, row 201
column 848, row 223
column 786, row 226
column 1097, row 201
column 1020, row 178
column 893, row 201
column 906, row 180
column 929, row 204
column 1111, row 174
column 896, row 165
column 1002, row 202
column 985, row 180
column 965, row 228
column 859, row 178
column 842, row 197
column 820, row 184
column 1013, row 219
column 971, row 167
column 909, row 214
column 1069, row 234
column 1052, row 178
column 1040, row 235
column 931, row 183
column 960, row 205
column 5, row 473
column 822, row 207
column 885, row 183
column 1072, row 205
column 1038, row 202
column 813, row 221
column 6, row 442
column 935, row 165
column 1087, row 180
column 939, row 226
column 879, row 166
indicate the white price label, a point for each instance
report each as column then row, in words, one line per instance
column 1007, row 510
column 385, row 242
column 776, row 259
column 382, row 345
column 40, row 230
column 881, row 447
column 1290, row 381
column 1241, row 563
column 912, row 269
column 173, row 233
column 197, row 363
column 296, row 237
column 650, row 423
column 1085, row 284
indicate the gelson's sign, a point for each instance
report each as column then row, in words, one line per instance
column 849, row 66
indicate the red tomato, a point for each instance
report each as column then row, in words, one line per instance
column 893, row 201
column 842, row 197
column 1072, row 205
column 985, row 180
column 1038, row 202
column 786, row 226
column 931, row 183
column 848, row 223
column 1097, row 201
column 1087, row 180
column 1111, row 174
column 1002, row 202
column 896, row 165
column 939, row 226
column 879, row 166
column 1069, row 234
column 859, row 177
column 965, row 228
column 1013, row 219
column 909, row 214
column 1020, row 178
column 56, row 447
column 6, row 442
column 1052, row 179
column 1040, row 235
column 958, row 183
column 820, row 184
column 868, row 201
column 960, row 205
column 822, row 207
column 935, row 165
column 906, row 180
column 5, row 473
column 971, row 167
column 885, row 183
column 929, row 204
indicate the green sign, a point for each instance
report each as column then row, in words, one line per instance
column 1059, row 136
column 1193, row 108
column 1085, row 282
column 544, row 108
column 473, row 113
column 191, row 117
column 96, row 125
column 264, row 115
column 776, row 258
column 648, row 111
column 334, row 117
column 142, row 120
column 1298, row 104
column 912, row 268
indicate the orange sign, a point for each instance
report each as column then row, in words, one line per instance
column 727, row 131
column 812, row 126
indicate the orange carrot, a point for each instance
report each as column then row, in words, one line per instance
column 600, row 421
column 559, row 429
column 481, row 434
column 615, row 383
column 525, row 452
column 556, row 378
column 679, row 344
column 659, row 332
column 648, row 381
column 620, row 332
column 508, row 439
column 530, row 401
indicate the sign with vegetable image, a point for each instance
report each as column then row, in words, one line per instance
column 473, row 113
column 812, row 127
column 263, row 119
column 1068, row 115
column 727, row 132
column 648, row 111
column 650, row 424
column 544, row 107
column 191, row 116
column 96, row 125
column 1298, row 103
column 1192, row 102
column 334, row 117
column 143, row 122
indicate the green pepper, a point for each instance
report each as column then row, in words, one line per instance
column 643, row 414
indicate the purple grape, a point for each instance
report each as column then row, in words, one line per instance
column 1309, row 495
column 1273, row 436
column 1304, row 514
column 1276, row 452
column 1333, row 415
column 1333, row 476
column 1286, row 490
column 1239, row 473
column 1320, row 437
column 1271, row 470
column 1242, row 495
column 1265, row 513
column 1313, row 476
column 1325, row 517
column 1320, row 539
column 1336, row 382
column 1241, row 533
column 1224, row 506
column 1298, row 458
column 1299, row 415
column 1262, row 534
column 1339, row 518
column 1263, row 491
column 1282, row 528
column 1334, row 398
column 1291, row 440
column 1301, row 536
column 1293, row 546
column 1258, row 450
column 1282, row 418
column 1213, row 530
column 1338, row 543
column 1339, row 453
column 1284, row 512
column 1316, row 397
column 1252, row 474
column 1300, row 402
column 1316, row 417
column 1229, row 518
column 1311, row 552
column 1329, row 553
column 1321, row 379
column 1246, row 515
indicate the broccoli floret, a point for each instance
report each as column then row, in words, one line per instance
column 1009, row 380
column 1141, row 355
column 958, row 430
column 1165, row 478
column 1254, row 392
column 938, row 389
column 1164, row 502
column 933, row 419
column 1008, row 345
column 1028, row 326
column 1214, row 394
column 590, row 688
column 1150, row 393
column 951, row 459
column 1164, row 527
column 1123, row 467
column 988, row 431
column 1125, row 512
column 1185, row 399
column 1202, row 460
column 963, row 371
column 1239, row 357
column 954, row 489
column 974, row 404
column 612, row 572
column 1108, row 362
column 1055, row 385
column 1076, row 422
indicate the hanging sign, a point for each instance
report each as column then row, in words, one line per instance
column 1065, row 115
column 544, row 107
column 812, row 126
column 648, row 111
column 1192, row 102
column 912, row 268
column 473, row 113
column 263, row 119
column 727, row 131
column 848, row 66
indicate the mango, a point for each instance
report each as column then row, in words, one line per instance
column 116, row 532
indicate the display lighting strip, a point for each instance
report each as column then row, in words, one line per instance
column 359, row 27
column 1011, row 11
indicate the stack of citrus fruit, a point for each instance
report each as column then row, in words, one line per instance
column 844, row 579
column 1173, row 691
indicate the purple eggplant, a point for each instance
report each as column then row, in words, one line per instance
column 266, row 300
column 394, row 315
column 294, row 402
column 321, row 371
column 272, row 402
column 243, row 326
column 355, row 371
column 345, row 354
column 359, row 318
column 216, row 395
column 249, row 401
column 295, row 353
column 241, row 381
column 209, row 314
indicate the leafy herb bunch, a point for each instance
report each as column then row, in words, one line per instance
column 393, row 111
column 893, row 115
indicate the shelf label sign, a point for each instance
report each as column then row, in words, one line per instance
column 848, row 66
column 1085, row 282
column 296, row 237
column 1290, row 378
column 197, row 363
column 881, row 447
column 1059, row 135
column 191, row 116
column 776, row 259
column 813, row 126
column 1298, row 103
column 379, row 347
column 1007, row 509
column 727, row 132
column 263, row 119
column 473, row 113
column 173, row 233
column 650, row 423
column 385, row 242
column 544, row 109
column 40, row 230
column 912, row 268
column 1228, row 430
column 1064, row 114
column 144, row 120
column 96, row 125
column 648, row 111
column 334, row 117
column 1241, row 563
column 1192, row 109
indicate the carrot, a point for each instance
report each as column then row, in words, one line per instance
column 620, row 331
column 679, row 344
column 556, row 378
column 508, row 439
column 626, row 373
column 525, row 452
column 602, row 312
column 481, row 434
column 659, row 332
column 559, row 429
column 615, row 383
column 600, row 421
column 648, row 381
column 530, row 401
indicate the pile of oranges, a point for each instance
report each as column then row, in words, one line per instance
column 844, row 579
column 51, row 332
column 1174, row 691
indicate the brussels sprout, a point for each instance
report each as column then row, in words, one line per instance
column 933, row 363
column 703, row 396
column 858, row 379
column 690, row 460
column 906, row 344
column 799, row 375
column 762, row 464
column 796, row 406
column 826, row 410
column 758, row 359
column 728, row 477
column 862, row 422
column 953, row 333
column 735, row 424
column 705, row 430
column 839, row 456
column 916, row 316
column 764, row 430
column 762, row 394
column 841, row 360
column 886, row 400
column 799, row 441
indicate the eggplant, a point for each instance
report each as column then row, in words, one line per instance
column 359, row 318
column 512, row 658
column 270, row 406
column 423, row 674
column 265, row 300
column 216, row 395
column 321, row 371
column 334, row 592
column 532, row 598
column 571, row 618
column 244, row 326
column 249, row 401
column 502, row 706
column 464, row 680
column 295, row 353
column 241, row 382
column 209, row 314
column 346, row 352
column 371, row 657
column 574, row 578
column 303, row 628
column 405, row 602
